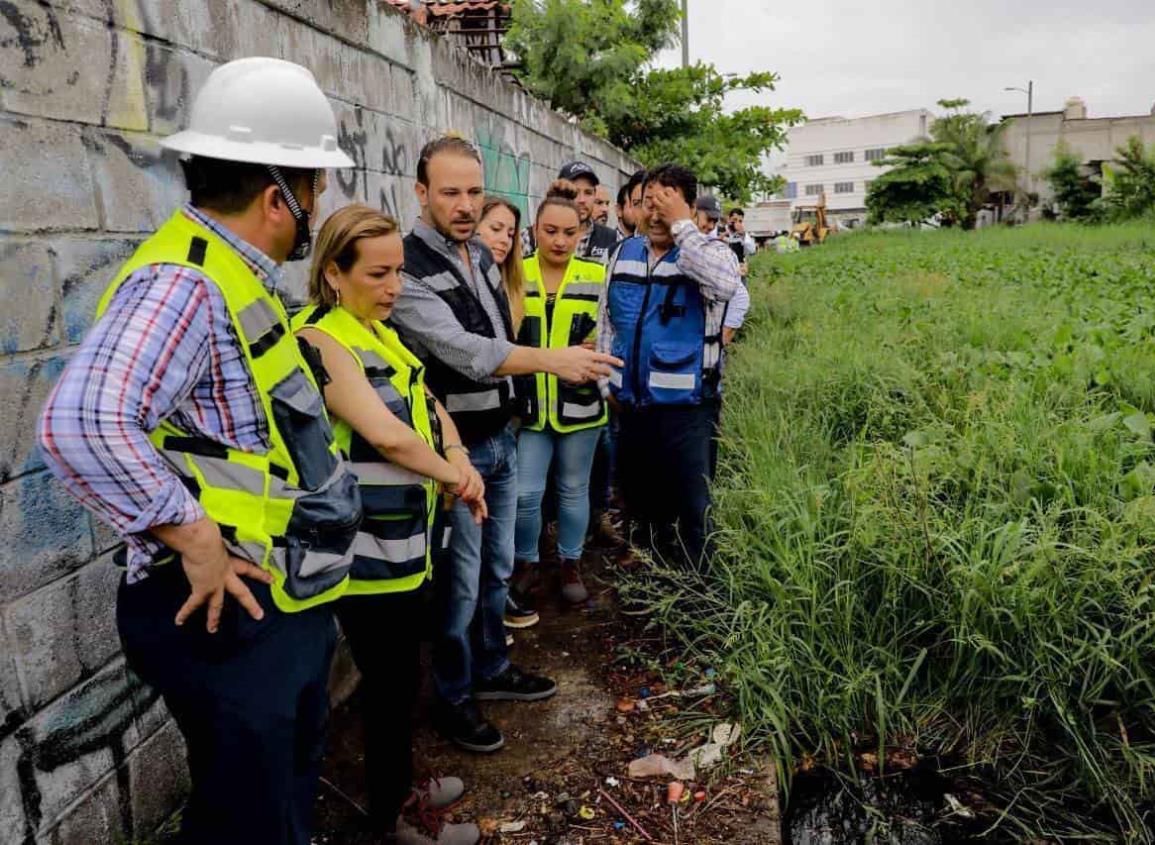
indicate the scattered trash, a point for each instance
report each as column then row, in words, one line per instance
column 645, row 692
column 626, row 705
column 619, row 825
column 726, row 734
column 511, row 827
column 612, row 781
column 675, row 789
column 706, row 756
column 657, row 765
column 626, row 815
column 587, row 813
column 700, row 692
column 700, row 796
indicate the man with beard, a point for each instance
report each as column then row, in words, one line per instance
column 597, row 240
column 662, row 314
column 602, row 205
column 454, row 315
column 629, row 204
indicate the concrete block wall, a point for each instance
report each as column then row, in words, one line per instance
column 88, row 754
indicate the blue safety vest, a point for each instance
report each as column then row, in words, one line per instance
column 659, row 320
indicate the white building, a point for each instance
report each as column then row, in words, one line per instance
column 1094, row 139
column 835, row 155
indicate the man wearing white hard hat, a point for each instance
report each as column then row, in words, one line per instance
column 192, row 423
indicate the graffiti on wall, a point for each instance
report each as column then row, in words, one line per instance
column 506, row 169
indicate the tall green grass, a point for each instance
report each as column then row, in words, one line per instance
column 937, row 512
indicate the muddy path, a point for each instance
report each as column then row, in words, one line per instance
column 564, row 756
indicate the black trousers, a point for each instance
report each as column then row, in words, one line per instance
column 384, row 634
column 252, row 701
column 664, row 466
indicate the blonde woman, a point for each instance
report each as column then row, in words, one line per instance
column 500, row 230
column 404, row 450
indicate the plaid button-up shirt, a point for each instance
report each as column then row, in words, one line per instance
column 164, row 349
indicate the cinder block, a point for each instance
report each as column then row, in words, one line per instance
column 46, row 534
column 139, row 184
column 27, row 289
column 12, row 708
column 387, row 33
column 100, row 815
column 64, row 631
column 47, row 184
column 26, row 384
column 172, row 78
column 158, row 778
column 61, row 67
column 192, row 24
column 85, row 267
column 126, row 107
column 375, row 79
column 13, row 824
column 74, row 742
column 254, row 30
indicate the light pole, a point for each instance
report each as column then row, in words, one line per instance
column 685, row 33
column 1030, row 92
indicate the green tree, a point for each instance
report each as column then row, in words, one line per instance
column 976, row 156
column 918, row 186
column 589, row 59
column 582, row 56
column 680, row 115
column 1130, row 181
column 1076, row 194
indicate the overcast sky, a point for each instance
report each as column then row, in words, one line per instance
column 860, row 57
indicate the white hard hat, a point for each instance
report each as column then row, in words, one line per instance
column 263, row 111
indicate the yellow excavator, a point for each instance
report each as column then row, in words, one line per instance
column 810, row 226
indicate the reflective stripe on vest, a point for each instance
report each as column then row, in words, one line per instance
column 293, row 509
column 659, row 320
column 480, row 409
column 392, row 549
column 543, row 397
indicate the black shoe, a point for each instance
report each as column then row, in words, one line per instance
column 519, row 615
column 514, row 685
column 463, row 725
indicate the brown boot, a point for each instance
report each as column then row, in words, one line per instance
column 573, row 591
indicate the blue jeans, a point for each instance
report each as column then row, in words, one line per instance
column 473, row 580
column 536, row 450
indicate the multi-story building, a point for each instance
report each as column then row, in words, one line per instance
column 836, row 155
column 1094, row 139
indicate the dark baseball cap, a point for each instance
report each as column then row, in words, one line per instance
column 710, row 205
column 578, row 170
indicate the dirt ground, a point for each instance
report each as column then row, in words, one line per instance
column 563, row 757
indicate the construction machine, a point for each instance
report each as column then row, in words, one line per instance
column 810, row 225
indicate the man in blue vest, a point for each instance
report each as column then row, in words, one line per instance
column 665, row 302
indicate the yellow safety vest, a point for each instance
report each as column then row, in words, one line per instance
column 543, row 397
column 294, row 509
column 394, row 541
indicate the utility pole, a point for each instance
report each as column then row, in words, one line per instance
column 685, row 33
column 1030, row 92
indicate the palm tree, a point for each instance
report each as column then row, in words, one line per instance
column 976, row 156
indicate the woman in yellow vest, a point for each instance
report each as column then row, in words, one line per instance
column 401, row 445
column 560, row 422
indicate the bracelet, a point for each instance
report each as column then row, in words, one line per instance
column 464, row 451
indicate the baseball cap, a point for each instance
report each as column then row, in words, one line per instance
column 710, row 205
column 578, row 170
